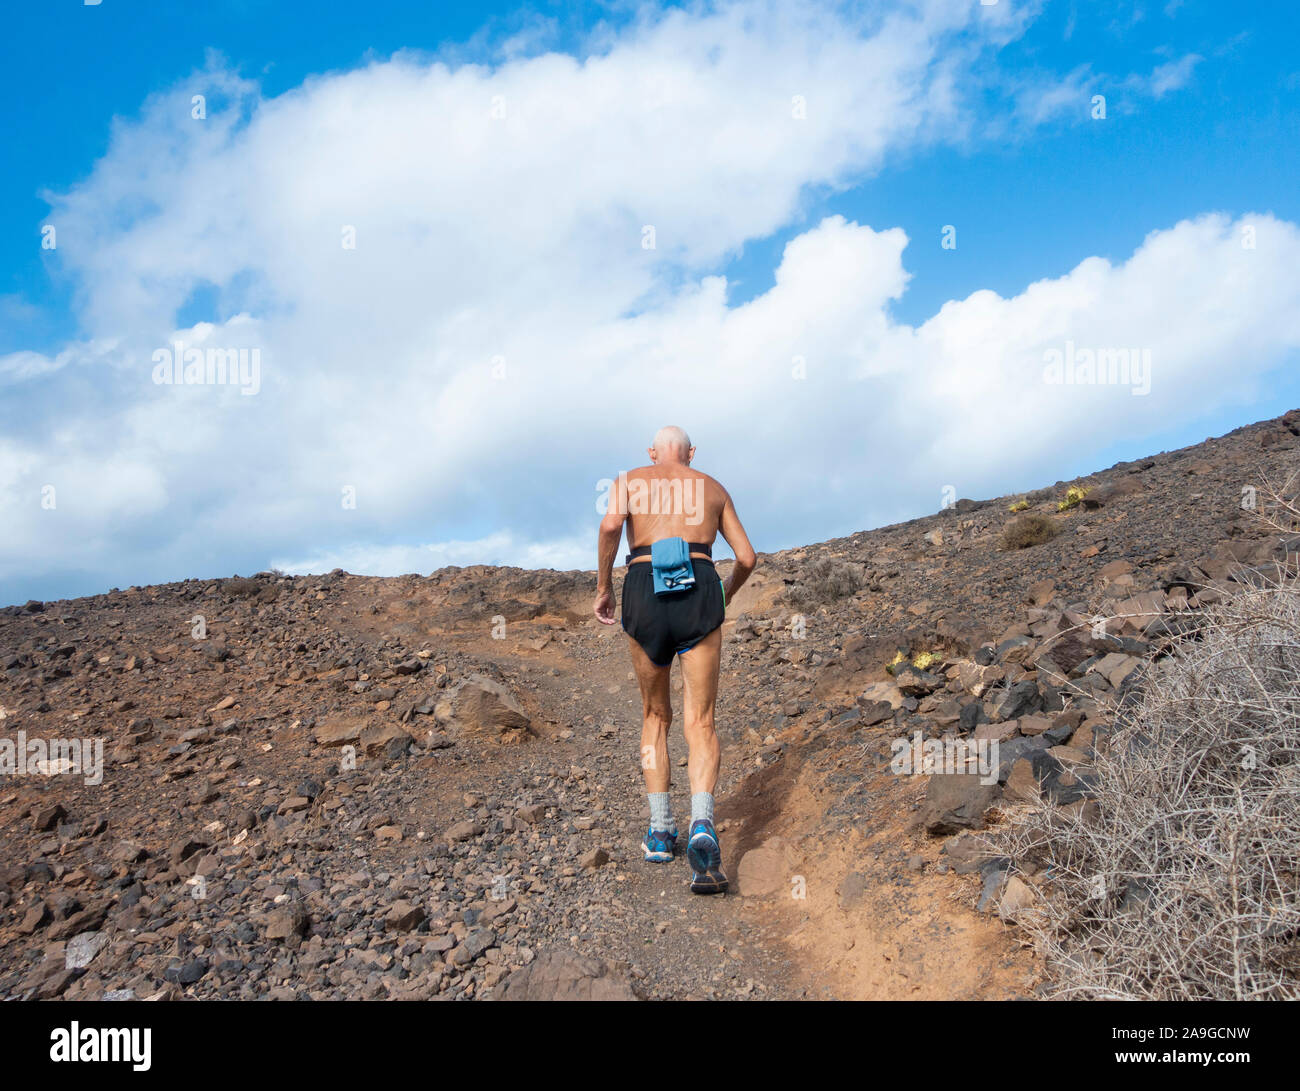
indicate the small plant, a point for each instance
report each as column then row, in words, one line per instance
column 1028, row 530
column 1073, row 497
column 1020, row 505
column 922, row 661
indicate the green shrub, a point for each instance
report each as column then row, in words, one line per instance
column 1073, row 497
column 922, row 661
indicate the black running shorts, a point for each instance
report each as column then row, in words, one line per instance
column 665, row 625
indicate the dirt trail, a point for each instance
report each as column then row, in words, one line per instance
column 848, row 918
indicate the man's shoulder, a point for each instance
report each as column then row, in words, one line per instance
column 657, row 473
column 652, row 470
column 713, row 481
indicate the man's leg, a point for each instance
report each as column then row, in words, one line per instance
column 699, row 692
column 656, row 718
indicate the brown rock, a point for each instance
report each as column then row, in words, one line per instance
column 1034, row 725
column 1116, row 667
column 956, row 801
column 1040, row 593
column 1082, row 739
column 763, row 871
column 1109, row 572
column 376, row 737
column 50, row 979
column 1139, row 611
column 464, row 831
column 1022, row 785
column 282, row 924
column 1075, row 647
column 596, row 858
column 34, row 918
column 337, row 730
column 564, row 975
column 1001, row 732
column 482, row 707
column 404, row 916
column 1069, row 755
column 47, row 817
column 1017, row 896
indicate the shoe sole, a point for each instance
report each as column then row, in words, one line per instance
column 655, row 857
column 707, row 877
column 709, row 882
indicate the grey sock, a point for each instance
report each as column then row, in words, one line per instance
column 661, row 810
column 701, row 806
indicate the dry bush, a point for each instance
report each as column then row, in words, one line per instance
column 1186, row 883
column 824, row 581
column 246, row 587
column 1280, row 512
column 1029, row 530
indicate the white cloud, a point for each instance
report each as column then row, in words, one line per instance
column 520, row 238
column 1045, row 97
column 1164, row 78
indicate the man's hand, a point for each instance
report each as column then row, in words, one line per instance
column 605, row 608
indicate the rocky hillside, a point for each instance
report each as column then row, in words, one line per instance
column 428, row 786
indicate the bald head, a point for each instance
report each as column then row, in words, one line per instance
column 671, row 444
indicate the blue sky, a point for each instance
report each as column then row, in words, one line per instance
column 954, row 114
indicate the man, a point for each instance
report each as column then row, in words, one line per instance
column 669, row 503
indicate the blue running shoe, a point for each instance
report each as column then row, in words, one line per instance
column 660, row 845
column 705, row 855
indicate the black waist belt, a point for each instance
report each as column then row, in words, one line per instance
column 695, row 547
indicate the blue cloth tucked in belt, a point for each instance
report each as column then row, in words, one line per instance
column 670, row 561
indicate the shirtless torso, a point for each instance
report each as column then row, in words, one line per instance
column 676, row 501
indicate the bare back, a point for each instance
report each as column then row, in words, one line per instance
column 672, row 501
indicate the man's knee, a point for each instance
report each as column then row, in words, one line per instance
column 656, row 719
column 699, row 720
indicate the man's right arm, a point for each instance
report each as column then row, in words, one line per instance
column 611, row 533
column 729, row 526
